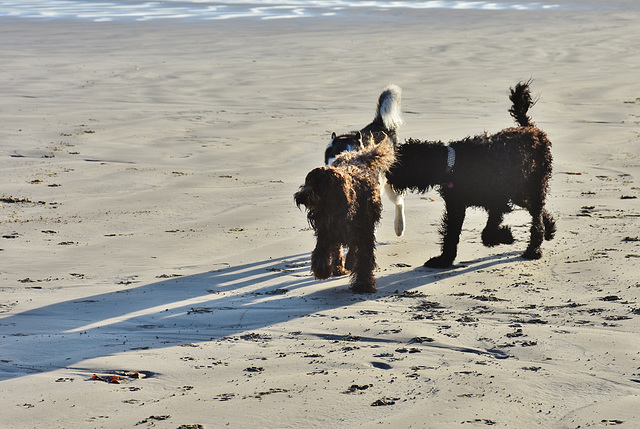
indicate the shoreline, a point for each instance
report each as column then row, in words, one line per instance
column 276, row 11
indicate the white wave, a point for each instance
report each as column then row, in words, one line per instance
column 229, row 9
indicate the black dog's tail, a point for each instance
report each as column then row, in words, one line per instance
column 521, row 98
column 388, row 111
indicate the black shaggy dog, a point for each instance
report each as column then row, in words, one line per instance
column 343, row 207
column 494, row 172
column 387, row 120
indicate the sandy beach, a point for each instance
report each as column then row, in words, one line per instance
column 154, row 270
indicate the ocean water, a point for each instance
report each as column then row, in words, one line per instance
column 142, row 10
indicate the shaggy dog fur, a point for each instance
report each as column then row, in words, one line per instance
column 343, row 207
column 386, row 122
column 494, row 172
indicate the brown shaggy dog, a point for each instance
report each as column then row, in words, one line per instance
column 343, row 207
column 494, row 172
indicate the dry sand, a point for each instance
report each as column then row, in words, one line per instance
column 148, row 226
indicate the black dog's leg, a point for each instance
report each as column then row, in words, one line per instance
column 537, row 233
column 494, row 234
column 364, row 262
column 451, row 228
column 549, row 225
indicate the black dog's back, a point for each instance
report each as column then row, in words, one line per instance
column 499, row 161
column 508, row 165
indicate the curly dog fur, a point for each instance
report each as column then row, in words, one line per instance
column 493, row 172
column 343, row 208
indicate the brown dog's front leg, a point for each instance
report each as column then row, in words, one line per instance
column 321, row 263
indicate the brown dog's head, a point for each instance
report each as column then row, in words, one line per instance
column 323, row 194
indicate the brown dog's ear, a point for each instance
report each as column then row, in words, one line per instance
column 324, row 182
column 300, row 197
column 329, row 191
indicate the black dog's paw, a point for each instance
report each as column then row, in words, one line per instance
column 439, row 262
column 501, row 235
column 532, row 254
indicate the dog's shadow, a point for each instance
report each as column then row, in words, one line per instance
column 422, row 275
column 229, row 301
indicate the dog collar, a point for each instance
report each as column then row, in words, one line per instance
column 451, row 159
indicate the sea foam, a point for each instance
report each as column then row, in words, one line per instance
column 229, row 9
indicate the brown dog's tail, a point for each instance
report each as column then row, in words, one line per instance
column 521, row 98
column 377, row 157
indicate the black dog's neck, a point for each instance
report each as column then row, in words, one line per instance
column 421, row 166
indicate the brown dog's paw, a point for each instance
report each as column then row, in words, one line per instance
column 321, row 269
column 364, row 287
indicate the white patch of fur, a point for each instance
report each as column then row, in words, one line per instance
column 398, row 221
column 390, row 108
column 396, row 198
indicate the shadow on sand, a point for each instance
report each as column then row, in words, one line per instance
column 189, row 309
